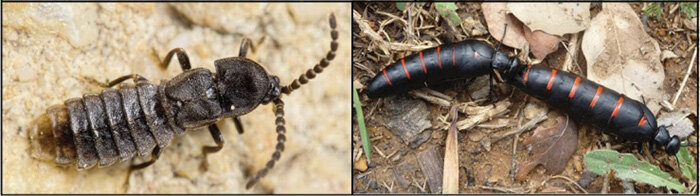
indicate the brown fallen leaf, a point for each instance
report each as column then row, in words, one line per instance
column 450, row 177
column 541, row 43
column 552, row 147
column 620, row 55
column 553, row 18
column 496, row 15
column 517, row 35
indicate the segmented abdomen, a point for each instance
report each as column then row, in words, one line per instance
column 588, row 101
column 99, row 129
column 466, row 59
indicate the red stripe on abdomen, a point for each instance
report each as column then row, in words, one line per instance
column 526, row 73
column 573, row 88
column 387, row 77
column 551, row 79
column 420, row 54
column 405, row 70
column 642, row 120
column 617, row 106
column 595, row 98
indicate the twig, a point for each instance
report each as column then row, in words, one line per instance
column 482, row 114
column 430, row 98
column 393, row 153
column 363, row 175
column 567, row 179
column 529, row 125
column 422, row 188
column 505, row 190
column 393, row 17
column 379, row 151
column 685, row 79
column 572, row 50
column 373, row 108
column 693, row 188
column 389, row 188
column 493, row 126
column 437, row 94
column 364, row 68
column 513, row 161
column 606, row 178
column 384, row 45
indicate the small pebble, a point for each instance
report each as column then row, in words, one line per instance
column 577, row 163
column 361, row 164
column 492, row 180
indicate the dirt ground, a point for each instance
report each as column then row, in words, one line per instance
column 396, row 167
column 49, row 49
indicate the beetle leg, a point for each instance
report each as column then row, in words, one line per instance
column 206, row 150
column 245, row 44
column 154, row 157
column 239, row 125
column 136, row 77
column 181, row 57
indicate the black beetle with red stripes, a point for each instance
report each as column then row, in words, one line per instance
column 585, row 100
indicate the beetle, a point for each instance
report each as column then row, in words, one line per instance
column 141, row 119
column 580, row 98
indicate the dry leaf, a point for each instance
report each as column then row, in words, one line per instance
column 553, row 18
column 496, row 16
column 450, row 177
column 621, row 56
column 517, row 35
column 552, row 147
column 682, row 126
column 541, row 43
column 667, row 54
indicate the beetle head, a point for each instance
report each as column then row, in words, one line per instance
column 243, row 84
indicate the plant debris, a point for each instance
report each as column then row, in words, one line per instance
column 552, row 147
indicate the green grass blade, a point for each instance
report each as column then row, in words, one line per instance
column 361, row 123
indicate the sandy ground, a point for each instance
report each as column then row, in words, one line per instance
column 49, row 48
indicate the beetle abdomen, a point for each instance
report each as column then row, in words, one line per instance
column 99, row 129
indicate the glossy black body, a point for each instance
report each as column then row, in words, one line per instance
column 624, row 124
column 585, row 100
column 472, row 58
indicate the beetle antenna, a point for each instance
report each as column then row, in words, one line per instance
column 279, row 113
column 505, row 27
column 311, row 73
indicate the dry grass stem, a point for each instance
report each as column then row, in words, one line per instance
column 430, row 98
column 529, row 125
column 484, row 114
column 685, row 79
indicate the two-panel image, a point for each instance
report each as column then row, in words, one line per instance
column 350, row 98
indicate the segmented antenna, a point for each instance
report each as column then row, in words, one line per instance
column 279, row 113
column 311, row 73
column 505, row 28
